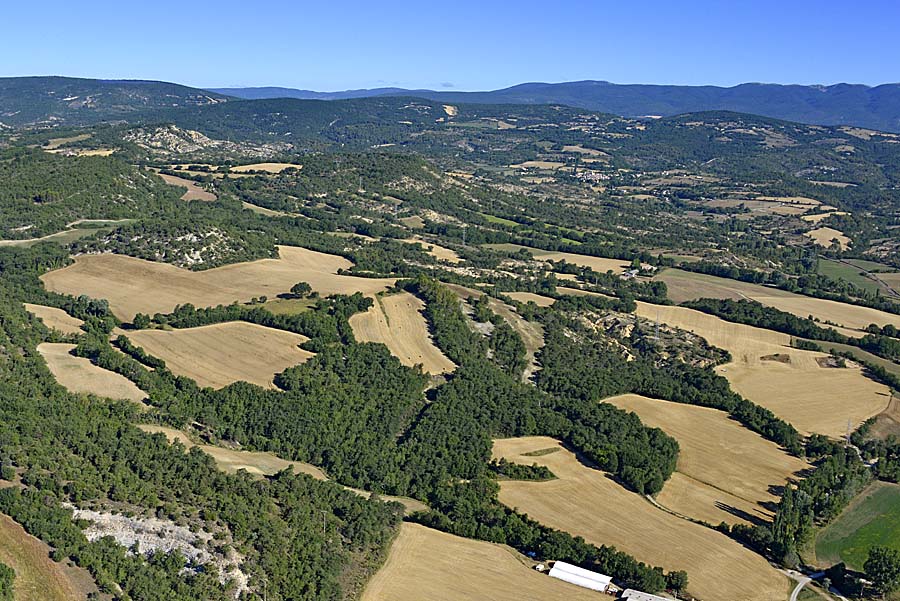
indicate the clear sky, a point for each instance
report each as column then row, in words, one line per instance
column 455, row 44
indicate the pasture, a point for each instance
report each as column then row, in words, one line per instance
column 261, row 464
column 586, row 502
column 80, row 376
column 220, row 354
column 56, row 319
column 811, row 397
column 397, row 321
column 433, row 565
column 684, row 285
column 725, row 470
column 39, row 578
column 193, row 190
column 872, row 519
column 137, row 286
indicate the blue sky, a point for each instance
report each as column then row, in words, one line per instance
column 456, row 44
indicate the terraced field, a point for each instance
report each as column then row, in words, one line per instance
column 586, row 502
column 136, row 286
column 725, row 472
column 220, row 354
column 791, row 383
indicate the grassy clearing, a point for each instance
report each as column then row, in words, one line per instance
column 289, row 306
column 684, row 285
column 55, row 319
column 263, row 464
column 80, row 376
column 193, row 192
column 727, row 470
column 397, row 322
column 414, row 222
column 428, row 564
column 501, row 221
column 220, row 354
column 38, row 578
column 872, row 519
column 800, row 391
column 586, row 502
column 136, row 286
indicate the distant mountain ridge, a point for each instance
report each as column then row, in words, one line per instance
column 840, row 104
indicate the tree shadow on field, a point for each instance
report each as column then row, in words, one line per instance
column 741, row 514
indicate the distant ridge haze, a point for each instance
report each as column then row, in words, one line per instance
column 875, row 107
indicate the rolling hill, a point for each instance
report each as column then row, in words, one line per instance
column 839, row 104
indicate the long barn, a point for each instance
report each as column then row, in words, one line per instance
column 580, row 576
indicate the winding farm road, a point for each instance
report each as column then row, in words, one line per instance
column 801, row 582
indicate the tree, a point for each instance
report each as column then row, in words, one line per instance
column 6, row 582
column 883, row 569
column 141, row 321
column 300, row 289
column 677, row 581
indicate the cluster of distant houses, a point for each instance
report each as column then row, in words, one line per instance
column 594, row 581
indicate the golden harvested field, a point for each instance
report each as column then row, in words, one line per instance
column 801, row 200
column 263, row 210
column 80, row 376
column 812, row 398
column 530, row 297
column 264, row 464
column 267, row 167
column 586, row 502
column 220, row 354
column 54, row 143
column 723, row 466
column 684, row 285
column 55, row 319
column 438, row 252
column 824, row 235
column 599, row 264
column 817, row 217
column 539, row 165
column 451, row 110
column 194, row 191
column 582, row 150
column 397, row 322
column 137, row 286
column 433, row 565
column 39, row 578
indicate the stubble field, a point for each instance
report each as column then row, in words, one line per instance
column 788, row 381
column 428, row 564
column 220, row 354
column 80, row 376
column 725, row 470
column 586, row 502
column 396, row 321
column 137, row 286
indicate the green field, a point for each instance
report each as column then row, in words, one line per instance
column 872, row 519
column 835, row 269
